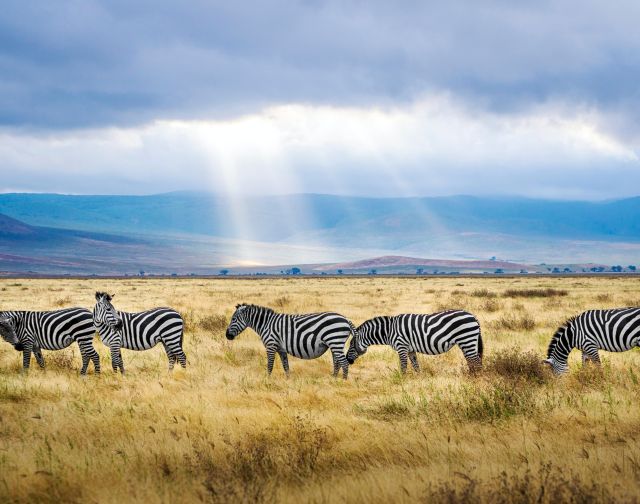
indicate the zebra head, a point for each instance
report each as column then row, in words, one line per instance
column 239, row 321
column 559, row 349
column 8, row 332
column 356, row 348
column 104, row 314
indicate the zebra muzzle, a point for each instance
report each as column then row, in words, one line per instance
column 19, row 347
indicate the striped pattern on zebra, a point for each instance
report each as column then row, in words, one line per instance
column 138, row 331
column 34, row 331
column 615, row 330
column 305, row 336
column 431, row 334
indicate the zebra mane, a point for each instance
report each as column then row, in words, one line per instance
column 255, row 307
column 558, row 334
column 374, row 319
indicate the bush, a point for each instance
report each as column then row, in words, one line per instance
column 483, row 293
column 499, row 401
column 213, row 323
column 534, row 293
column 515, row 365
column 515, row 323
column 549, row 485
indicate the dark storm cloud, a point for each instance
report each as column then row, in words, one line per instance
column 71, row 64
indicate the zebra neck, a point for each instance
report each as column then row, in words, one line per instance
column 563, row 347
column 260, row 321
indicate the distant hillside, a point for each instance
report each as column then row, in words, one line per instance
column 412, row 263
column 187, row 231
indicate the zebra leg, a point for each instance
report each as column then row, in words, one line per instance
column 414, row 361
column 88, row 353
column 37, row 352
column 170, row 355
column 340, row 361
column 591, row 354
column 26, row 357
column 116, row 359
column 175, row 352
column 95, row 358
column 474, row 361
column 285, row 362
column 271, row 355
column 403, row 354
column 336, row 365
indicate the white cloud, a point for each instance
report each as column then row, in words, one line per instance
column 433, row 146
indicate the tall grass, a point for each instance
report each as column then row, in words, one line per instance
column 222, row 431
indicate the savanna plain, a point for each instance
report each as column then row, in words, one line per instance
column 222, row 431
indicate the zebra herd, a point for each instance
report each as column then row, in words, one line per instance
column 32, row 331
column 305, row 336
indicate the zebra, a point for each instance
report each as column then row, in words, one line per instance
column 138, row 331
column 305, row 336
column 429, row 334
column 615, row 330
column 34, row 331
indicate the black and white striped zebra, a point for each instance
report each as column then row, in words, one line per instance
column 615, row 330
column 34, row 331
column 430, row 334
column 305, row 336
column 138, row 331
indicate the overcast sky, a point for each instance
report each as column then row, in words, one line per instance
column 368, row 98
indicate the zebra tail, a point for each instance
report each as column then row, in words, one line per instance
column 480, row 345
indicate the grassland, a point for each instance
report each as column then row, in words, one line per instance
column 222, row 431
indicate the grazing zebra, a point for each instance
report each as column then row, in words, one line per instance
column 615, row 330
column 34, row 331
column 429, row 334
column 305, row 336
column 138, row 331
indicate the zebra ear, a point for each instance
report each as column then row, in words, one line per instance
column 98, row 294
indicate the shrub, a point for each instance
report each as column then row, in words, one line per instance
column 491, row 305
column 515, row 323
column 282, row 302
column 548, row 485
column 213, row 323
column 499, row 401
column 63, row 301
column 534, row 293
column 483, row 293
column 515, row 365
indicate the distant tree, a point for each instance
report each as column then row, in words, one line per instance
column 617, row 268
column 493, row 258
column 141, row 273
column 373, row 272
column 567, row 270
column 295, row 271
column 523, row 272
column 420, row 271
column 631, row 267
column 174, row 274
column 340, row 272
column 224, row 272
column 499, row 271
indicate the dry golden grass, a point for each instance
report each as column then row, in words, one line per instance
column 221, row 431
